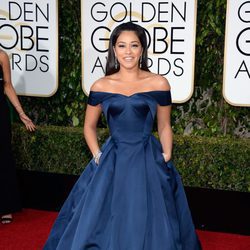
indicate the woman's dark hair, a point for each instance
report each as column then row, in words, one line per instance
column 140, row 32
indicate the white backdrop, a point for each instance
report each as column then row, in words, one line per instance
column 236, row 82
column 171, row 26
column 29, row 35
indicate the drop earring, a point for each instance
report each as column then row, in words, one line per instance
column 116, row 63
column 140, row 63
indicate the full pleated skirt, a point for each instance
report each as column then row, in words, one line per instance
column 132, row 200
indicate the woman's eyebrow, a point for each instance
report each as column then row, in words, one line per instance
column 130, row 42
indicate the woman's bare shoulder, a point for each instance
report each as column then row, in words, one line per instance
column 101, row 84
column 159, row 82
column 3, row 57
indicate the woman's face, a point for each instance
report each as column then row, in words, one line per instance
column 128, row 50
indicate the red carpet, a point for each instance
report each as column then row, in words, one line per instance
column 28, row 231
column 31, row 228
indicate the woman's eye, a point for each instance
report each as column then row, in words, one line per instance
column 135, row 45
column 121, row 46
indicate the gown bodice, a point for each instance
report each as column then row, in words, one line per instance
column 130, row 118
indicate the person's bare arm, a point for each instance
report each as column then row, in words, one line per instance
column 164, row 122
column 90, row 124
column 11, row 93
column 165, row 130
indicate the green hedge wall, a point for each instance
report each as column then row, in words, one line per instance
column 206, row 113
column 218, row 163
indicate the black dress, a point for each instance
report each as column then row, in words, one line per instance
column 9, row 196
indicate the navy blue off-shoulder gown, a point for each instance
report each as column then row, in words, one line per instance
column 133, row 200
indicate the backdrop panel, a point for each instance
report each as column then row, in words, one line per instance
column 236, row 82
column 29, row 34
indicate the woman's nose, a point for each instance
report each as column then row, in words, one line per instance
column 128, row 50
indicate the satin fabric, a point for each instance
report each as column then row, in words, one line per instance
column 133, row 200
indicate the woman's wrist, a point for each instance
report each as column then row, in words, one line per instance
column 19, row 110
column 166, row 156
column 96, row 156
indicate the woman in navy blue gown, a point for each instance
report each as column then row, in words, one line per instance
column 130, row 196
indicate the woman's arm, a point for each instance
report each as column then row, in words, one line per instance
column 10, row 91
column 90, row 124
column 165, row 130
column 92, row 116
column 164, row 120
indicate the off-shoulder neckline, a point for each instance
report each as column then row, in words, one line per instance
column 136, row 93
